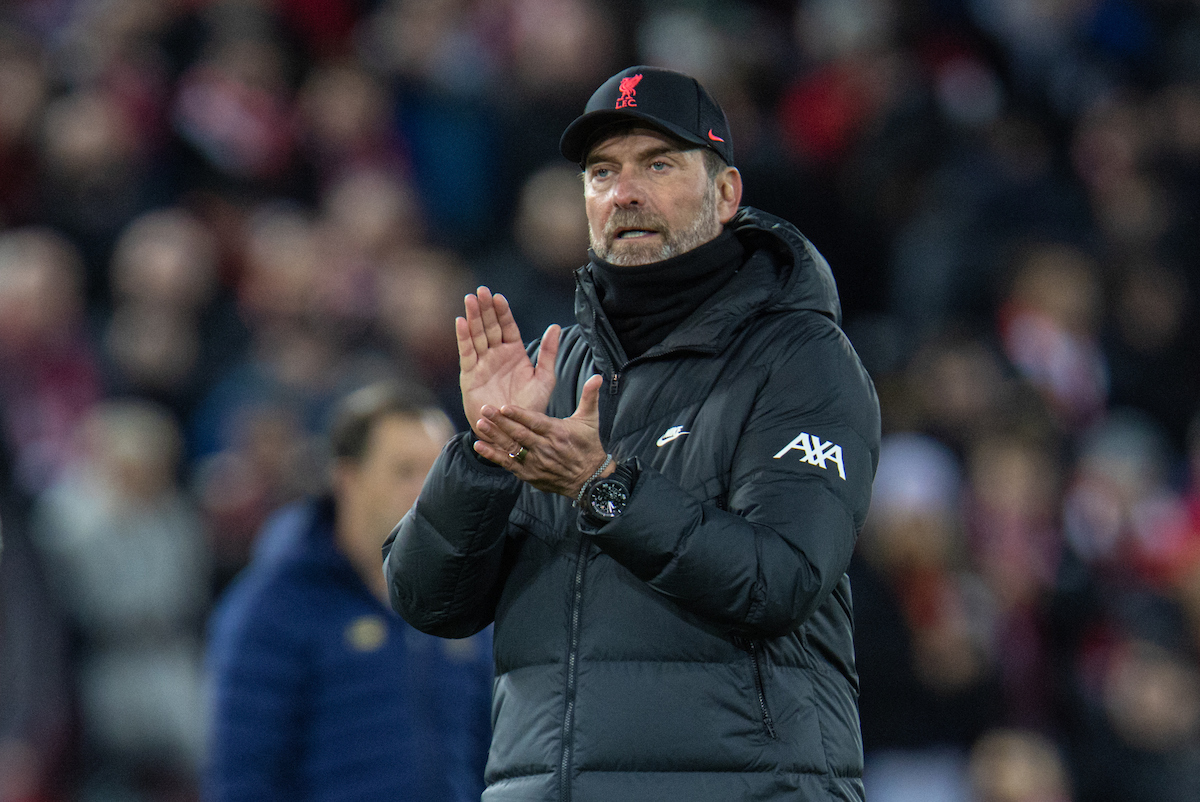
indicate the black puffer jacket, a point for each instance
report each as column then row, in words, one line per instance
column 700, row 646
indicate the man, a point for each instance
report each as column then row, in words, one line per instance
column 322, row 693
column 657, row 506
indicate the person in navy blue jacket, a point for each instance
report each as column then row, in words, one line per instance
column 320, row 691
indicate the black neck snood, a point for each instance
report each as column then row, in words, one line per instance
column 647, row 302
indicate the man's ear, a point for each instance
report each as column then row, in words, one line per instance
column 729, row 194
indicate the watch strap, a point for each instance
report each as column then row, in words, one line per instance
column 626, row 472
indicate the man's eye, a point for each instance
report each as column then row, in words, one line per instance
column 600, row 172
column 658, row 166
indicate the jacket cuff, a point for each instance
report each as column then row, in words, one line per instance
column 468, row 441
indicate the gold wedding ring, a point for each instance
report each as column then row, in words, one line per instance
column 521, row 454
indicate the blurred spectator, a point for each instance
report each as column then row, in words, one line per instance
column 537, row 276
column 1110, row 151
column 24, row 88
column 1050, row 325
column 93, row 178
column 557, row 47
column 439, row 44
column 858, row 74
column 419, row 291
column 113, row 43
column 1124, row 521
column 993, row 187
column 1013, row 765
column 1063, row 52
column 1153, row 345
column 49, row 377
column 268, row 461
column 1012, row 524
column 284, row 300
column 1136, row 737
column 346, row 115
column 280, row 280
column 955, row 387
column 253, row 435
column 930, row 683
column 373, row 213
column 169, row 333
column 1130, row 686
column 129, row 565
column 553, row 52
column 440, row 61
column 320, row 690
column 232, row 112
column 369, row 216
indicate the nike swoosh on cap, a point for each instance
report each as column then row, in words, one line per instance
column 714, row 137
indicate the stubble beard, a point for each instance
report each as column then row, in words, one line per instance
column 704, row 227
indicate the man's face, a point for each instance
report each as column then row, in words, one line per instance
column 647, row 200
column 377, row 492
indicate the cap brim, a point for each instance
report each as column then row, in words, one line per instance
column 575, row 140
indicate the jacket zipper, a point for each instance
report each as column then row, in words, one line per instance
column 564, row 781
column 759, row 686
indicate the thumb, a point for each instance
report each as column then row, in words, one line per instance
column 589, row 401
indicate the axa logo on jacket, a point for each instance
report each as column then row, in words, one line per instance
column 815, row 452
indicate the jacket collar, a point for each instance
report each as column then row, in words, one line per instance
column 783, row 271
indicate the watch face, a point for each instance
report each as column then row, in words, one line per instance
column 608, row 499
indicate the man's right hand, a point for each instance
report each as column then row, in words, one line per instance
column 493, row 366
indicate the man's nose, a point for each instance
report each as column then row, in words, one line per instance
column 628, row 189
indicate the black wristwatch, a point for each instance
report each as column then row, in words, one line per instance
column 607, row 497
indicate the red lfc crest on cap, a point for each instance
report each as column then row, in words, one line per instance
column 627, row 91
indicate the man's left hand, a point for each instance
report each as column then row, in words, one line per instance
column 560, row 453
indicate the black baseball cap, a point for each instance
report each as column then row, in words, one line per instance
column 664, row 99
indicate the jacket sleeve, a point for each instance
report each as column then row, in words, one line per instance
column 444, row 560
column 799, row 486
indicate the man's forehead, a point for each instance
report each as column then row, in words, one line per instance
column 615, row 136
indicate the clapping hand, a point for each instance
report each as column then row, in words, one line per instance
column 556, row 455
column 505, row 398
column 493, row 365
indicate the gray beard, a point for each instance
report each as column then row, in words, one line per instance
column 704, row 227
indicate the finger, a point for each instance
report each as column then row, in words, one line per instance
column 518, row 424
column 487, row 311
column 589, row 401
column 495, row 436
column 509, row 331
column 548, row 353
column 475, row 323
column 467, row 357
column 534, row 422
column 496, row 455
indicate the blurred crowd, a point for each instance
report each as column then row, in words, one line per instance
column 218, row 216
